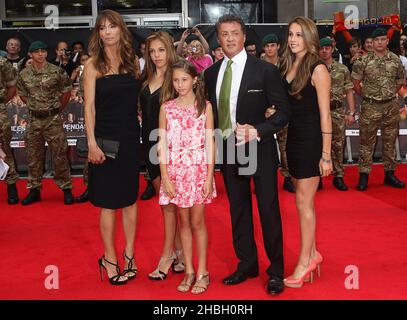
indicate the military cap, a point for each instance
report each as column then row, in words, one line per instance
column 270, row 38
column 379, row 32
column 325, row 42
column 37, row 45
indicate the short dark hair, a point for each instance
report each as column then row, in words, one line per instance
column 227, row 18
column 249, row 43
column 355, row 40
column 78, row 42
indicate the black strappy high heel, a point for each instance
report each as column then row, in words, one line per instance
column 115, row 280
column 129, row 267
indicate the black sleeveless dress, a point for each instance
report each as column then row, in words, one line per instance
column 304, row 138
column 114, row 183
column 150, row 108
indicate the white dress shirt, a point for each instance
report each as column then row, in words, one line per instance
column 239, row 62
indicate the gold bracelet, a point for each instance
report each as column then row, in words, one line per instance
column 326, row 132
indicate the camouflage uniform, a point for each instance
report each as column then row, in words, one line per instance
column 379, row 109
column 43, row 90
column 7, row 79
column 340, row 84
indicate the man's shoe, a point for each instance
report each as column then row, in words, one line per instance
column 68, row 196
column 33, row 196
column 84, row 197
column 288, row 185
column 149, row 192
column 275, row 285
column 239, row 277
column 12, row 194
column 339, row 184
column 363, row 179
column 391, row 180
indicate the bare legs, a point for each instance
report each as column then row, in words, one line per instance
column 192, row 223
column 171, row 232
column 305, row 193
column 107, row 230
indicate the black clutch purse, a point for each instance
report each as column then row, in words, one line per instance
column 109, row 147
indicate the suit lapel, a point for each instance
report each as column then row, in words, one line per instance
column 216, row 68
column 244, row 84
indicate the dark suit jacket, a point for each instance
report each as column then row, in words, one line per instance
column 261, row 87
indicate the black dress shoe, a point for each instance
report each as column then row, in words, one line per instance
column 275, row 285
column 363, row 179
column 12, row 194
column 33, row 196
column 391, row 180
column 84, row 197
column 239, row 277
column 149, row 192
column 68, row 196
column 339, row 184
column 288, row 185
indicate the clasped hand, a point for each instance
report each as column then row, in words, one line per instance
column 245, row 133
column 96, row 155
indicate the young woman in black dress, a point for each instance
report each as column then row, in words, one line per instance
column 159, row 56
column 111, row 88
column 309, row 134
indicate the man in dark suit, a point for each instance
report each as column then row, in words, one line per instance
column 252, row 86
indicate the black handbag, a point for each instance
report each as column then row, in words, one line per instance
column 109, row 147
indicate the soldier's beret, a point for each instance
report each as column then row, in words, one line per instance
column 270, row 38
column 325, row 42
column 379, row 32
column 37, row 45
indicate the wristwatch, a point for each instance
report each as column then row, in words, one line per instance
column 352, row 114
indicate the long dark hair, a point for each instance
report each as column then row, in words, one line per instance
column 150, row 69
column 169, row 92
column 128, row 61
column 311, row 41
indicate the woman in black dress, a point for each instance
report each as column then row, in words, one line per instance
column 111, row 88
column 159, row 56
column 309, row 134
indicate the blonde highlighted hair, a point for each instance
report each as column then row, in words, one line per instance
column 311, row 42
column 150, row 68
column 128, row 62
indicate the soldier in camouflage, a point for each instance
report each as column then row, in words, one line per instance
column 271, row 45
column 46, row 89
column 341, row 85
column 382, row 75
column 7, row 91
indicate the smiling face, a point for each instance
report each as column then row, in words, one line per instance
column 109, row 33
column 231, row 38
column 158, row 53
column 296, row 41
column 271, row 49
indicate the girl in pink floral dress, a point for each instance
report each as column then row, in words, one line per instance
column 187, row 155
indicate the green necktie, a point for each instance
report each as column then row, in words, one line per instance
column 225, row 123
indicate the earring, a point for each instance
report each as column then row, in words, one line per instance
column 101, row 43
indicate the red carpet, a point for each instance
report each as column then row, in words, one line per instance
column 367, row 230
